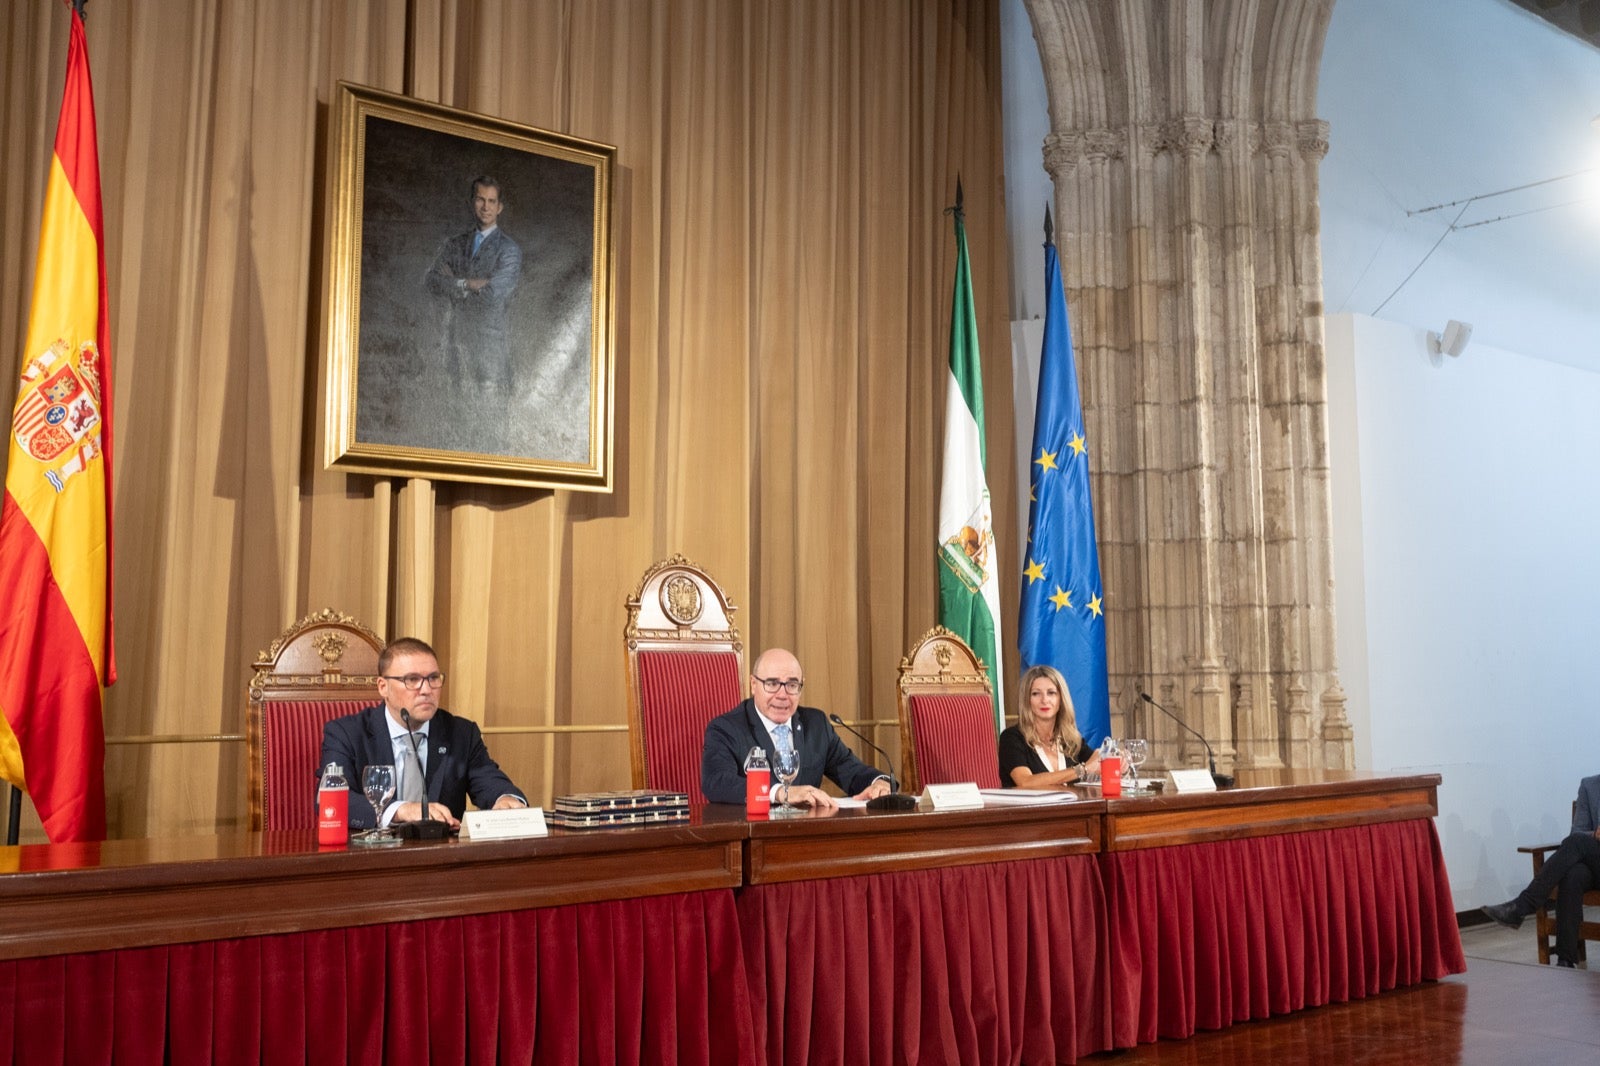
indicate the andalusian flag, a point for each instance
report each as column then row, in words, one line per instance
column 969, row 591
column 55, row 530
column 1062, row 621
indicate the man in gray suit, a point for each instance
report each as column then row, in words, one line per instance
column 1574, row 867
column 476, row 273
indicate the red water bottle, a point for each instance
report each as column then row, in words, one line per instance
column 1111, row 776
column 757, row 783
column 333, row 807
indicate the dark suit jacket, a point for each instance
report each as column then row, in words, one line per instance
column 499, row 259
column 729, row 738
column 458, row 763
column 1586, row 815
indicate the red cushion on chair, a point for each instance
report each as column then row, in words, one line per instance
column 291, row 741
column 955, row 739
column 679, row 693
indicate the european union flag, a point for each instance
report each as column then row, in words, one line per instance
column 1062, row 620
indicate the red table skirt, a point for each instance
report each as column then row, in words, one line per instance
column 1206, row 935
column 650, row 980
column 968, row 964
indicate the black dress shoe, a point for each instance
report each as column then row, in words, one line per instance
column 1565, row 963
column 1505, row 914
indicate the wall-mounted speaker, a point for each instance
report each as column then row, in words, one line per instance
column 1453, row 341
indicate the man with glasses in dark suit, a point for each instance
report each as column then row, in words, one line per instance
column 770, row 719
column 447, row 763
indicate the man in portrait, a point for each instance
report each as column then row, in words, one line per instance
column 475, row 273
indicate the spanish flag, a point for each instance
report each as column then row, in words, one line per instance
column 55, row 530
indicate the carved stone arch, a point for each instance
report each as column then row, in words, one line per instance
column 1184, row 147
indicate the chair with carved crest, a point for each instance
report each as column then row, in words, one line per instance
column 685, row 667
column 947, row 724
column 322, row 667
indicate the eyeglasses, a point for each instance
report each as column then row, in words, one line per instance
column 414, row 682
column 791, row 685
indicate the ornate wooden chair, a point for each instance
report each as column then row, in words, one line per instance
column 947, row 714
column 323, row 666
column 1544, row 919
column 685, row 667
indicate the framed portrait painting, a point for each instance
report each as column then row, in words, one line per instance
column 470, row 297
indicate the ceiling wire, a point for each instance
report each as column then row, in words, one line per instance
column 1448, row 230
column 1468, row 202
column 1531, row 211
column 1501, row 192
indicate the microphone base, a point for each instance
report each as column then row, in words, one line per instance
column 893, row 801
column 1222, row 780
column 433, row 829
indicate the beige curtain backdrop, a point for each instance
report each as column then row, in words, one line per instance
column 783, row 287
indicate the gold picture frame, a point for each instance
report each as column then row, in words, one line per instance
column 455, row 357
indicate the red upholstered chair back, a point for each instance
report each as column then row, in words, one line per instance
column 323, row 666
column 956, row 739
column 685, row 667
column 947, row 723
column 679, row 694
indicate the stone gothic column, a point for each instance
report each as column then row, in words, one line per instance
column 1184, row 151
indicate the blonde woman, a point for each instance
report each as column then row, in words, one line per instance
column 1044, row 749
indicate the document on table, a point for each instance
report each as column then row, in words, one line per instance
column 1025, row 796
column 847, row 802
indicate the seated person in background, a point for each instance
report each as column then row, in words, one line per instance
column 1044, row 749
column 455, row 764
column 773, row 716
column 1574, row 868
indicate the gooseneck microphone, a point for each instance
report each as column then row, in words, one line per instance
column 428, row 828
column 893, row 801
column 1222, row 780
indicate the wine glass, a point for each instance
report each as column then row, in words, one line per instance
column 787, row 767
column 377, row 782
column 1136, row 750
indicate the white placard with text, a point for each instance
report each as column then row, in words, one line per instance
column 504, row 825
column 962, row 797
column 1192, row 780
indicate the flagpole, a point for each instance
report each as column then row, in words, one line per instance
column 14, row 822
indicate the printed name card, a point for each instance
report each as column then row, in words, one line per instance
column 962, row 797
column 504, row 825
column 1192, row 780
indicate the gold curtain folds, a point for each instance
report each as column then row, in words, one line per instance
column 783, row 297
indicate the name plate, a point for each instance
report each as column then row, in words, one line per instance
column 504, row 825
column 1192, row 780
column 962, row 797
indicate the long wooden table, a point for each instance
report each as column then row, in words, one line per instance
column 1294, row 889
column 1045, row 932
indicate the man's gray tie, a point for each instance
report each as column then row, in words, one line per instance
column 411, row 781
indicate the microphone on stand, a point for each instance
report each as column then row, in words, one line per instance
column 428, row 828
column 893, row 801
column 1222, row 780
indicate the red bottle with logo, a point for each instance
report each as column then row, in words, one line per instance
column 333, row 807
column 1111, row 776
column 757, row 783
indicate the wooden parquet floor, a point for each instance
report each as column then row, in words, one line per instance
column 1496, row 1014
